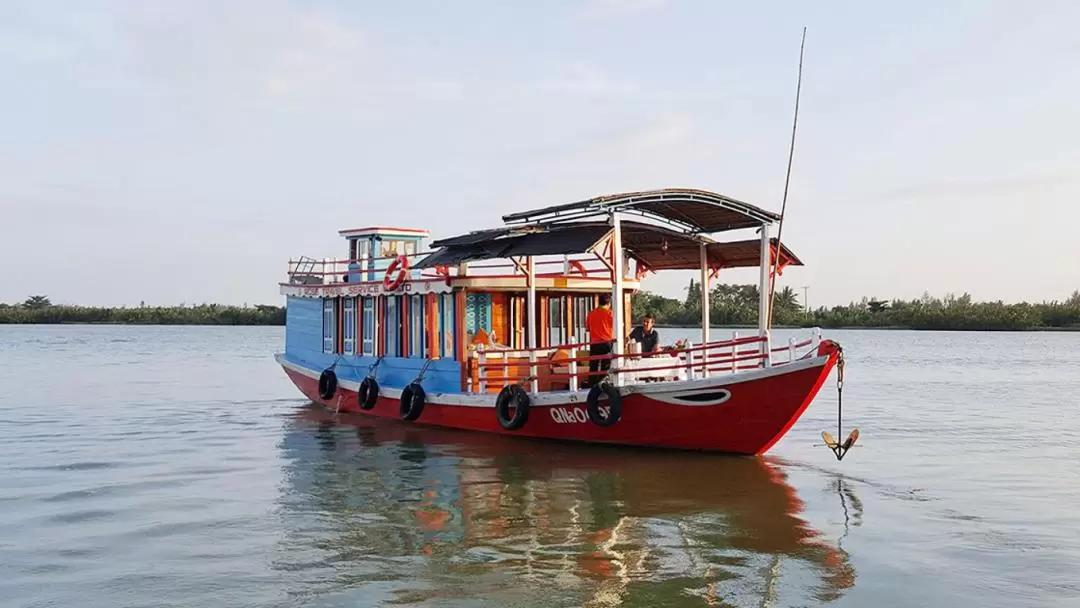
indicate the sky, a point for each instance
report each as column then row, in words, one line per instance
column 183, row 152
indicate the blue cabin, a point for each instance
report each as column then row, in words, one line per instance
column 390, row 309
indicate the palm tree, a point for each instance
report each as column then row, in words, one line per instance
column 36, row 302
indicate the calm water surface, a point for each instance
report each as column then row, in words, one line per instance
column 177, row 466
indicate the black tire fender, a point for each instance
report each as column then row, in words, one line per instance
column 592, row 404
column 412, row 401
column 512, row 395
column 328, row 384
column 368, row 393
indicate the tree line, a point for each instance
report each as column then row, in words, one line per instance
column 39, row 310
column 729, row 305
column 735, row 305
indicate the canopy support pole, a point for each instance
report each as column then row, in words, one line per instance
column 530, row 320
column 705, row 302
column 617, row 293
column 763, row 295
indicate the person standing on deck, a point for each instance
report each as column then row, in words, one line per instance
column 599, row 323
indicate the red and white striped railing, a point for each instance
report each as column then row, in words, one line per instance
column 497, row 368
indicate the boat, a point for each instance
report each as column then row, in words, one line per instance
column 488, row 331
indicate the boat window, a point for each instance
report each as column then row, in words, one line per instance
column 392, row 327
column 390, row 248
column 350, row 326
column 581, row 307
column 416, row 328
column 368, row 341
column 477, row 313
column 329, row 325
column 362, row 250
column 409, row 247
column 447, row 327
column 556, row 321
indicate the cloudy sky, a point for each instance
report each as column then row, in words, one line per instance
column 175, row 152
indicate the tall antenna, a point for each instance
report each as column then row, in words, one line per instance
column 787, row 183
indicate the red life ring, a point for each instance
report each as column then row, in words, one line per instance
column 578, row 266
column 390, row 282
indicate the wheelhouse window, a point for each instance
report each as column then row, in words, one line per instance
column 329, row 325
column 350, row 326
column 367, row 345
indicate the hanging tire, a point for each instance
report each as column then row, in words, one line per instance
column 512, row 395
column 327, row 384
column 412, row 401
column 368, row 393
column 592, row 404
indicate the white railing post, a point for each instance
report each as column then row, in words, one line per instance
column 816, row 339
column 766, row 350
column 573, row 365
column 734, row 351
column 791, row 349
column 534, row 384
column 481, row 371
column 689, row 361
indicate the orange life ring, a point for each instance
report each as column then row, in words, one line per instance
column 578, row 266
column 390, row 282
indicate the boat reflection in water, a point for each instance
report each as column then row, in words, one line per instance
column 377, row 510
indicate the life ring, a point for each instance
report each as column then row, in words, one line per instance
column 579, row 267
column 401, row 266
column 368, row 393
column 592, row 404
column 327, row 383
column 412, row 401
column 512, row 395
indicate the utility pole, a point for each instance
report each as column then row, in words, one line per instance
column 805, row 299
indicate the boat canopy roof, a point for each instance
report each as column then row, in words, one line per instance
column 687, row 210
column 656, row 247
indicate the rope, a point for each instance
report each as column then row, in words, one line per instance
column 373, row 367
column 423, row 370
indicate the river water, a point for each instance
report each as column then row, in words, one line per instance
column 177, row 466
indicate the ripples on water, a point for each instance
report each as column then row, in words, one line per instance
column 178, row 467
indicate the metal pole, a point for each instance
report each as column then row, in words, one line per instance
column 705, row 302
column 530, row 318
column 617, row 292
column 763, row 289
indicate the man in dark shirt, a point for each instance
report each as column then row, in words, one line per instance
column 646, row 335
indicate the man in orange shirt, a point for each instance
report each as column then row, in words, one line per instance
column 599, row 323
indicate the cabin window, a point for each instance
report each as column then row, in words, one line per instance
column 477, row 313
column 417, row 333
column 367, row 346
column 391, row 327
column 447, row 325
column 329, row 325
column 350, row 326
column 556, row 321
column 581, row 307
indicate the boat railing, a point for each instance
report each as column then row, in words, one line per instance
column 566, row 367
column 327, row 271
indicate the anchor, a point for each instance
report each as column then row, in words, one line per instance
column 840, row 449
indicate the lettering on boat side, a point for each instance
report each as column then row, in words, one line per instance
column 574, row 415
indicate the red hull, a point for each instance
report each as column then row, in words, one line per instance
column 762, row 407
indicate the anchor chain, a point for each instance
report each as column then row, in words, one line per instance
column 838, row 449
